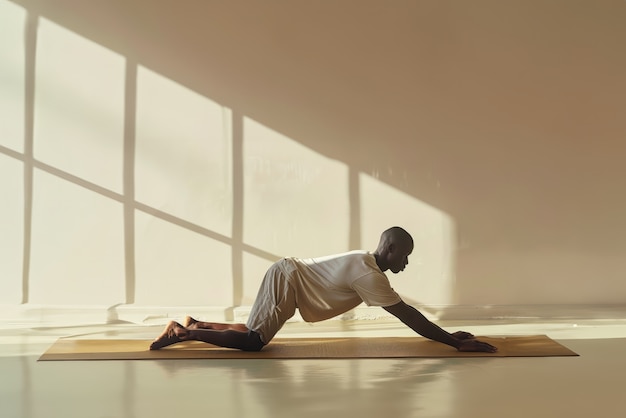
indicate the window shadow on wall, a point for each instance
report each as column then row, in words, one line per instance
column 98, row 158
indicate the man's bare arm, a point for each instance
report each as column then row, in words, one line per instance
column 420, row 324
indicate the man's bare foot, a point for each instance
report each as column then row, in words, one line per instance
column 190, row 322
column 173, row 333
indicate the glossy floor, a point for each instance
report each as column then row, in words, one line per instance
column 590, row 385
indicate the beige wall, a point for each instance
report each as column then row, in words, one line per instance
column 165, row 153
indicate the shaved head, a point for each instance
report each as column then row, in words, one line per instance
column 393, row 250
column 396, row 234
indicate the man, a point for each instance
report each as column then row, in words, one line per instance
column 322, row 288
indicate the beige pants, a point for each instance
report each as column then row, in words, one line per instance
column 275, row 303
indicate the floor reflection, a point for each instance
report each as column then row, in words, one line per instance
column 319, row 388
column 537, row 387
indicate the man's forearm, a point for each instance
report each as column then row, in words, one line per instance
column 415, row 320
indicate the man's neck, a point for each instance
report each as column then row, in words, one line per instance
column 379, row 261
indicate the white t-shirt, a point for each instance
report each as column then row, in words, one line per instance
column 329, row 286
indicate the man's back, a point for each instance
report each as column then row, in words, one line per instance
column 329, row 286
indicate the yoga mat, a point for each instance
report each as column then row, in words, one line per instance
column 301, row 348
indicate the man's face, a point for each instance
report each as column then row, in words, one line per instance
column 399, row 256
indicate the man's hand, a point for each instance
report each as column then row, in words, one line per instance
column 462, row 335
column 475, row 345
column 461, row 340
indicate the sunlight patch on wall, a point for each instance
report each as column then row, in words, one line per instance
column 175, row 266
column 11, row 230
column 254, row 269
column 79, row 106
column 295, row 199
column 77, row 245
column 429, row 277
column 12, row 21
column 183, row 153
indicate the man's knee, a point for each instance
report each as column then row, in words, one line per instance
column 254, row 342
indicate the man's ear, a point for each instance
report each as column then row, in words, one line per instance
column 391, row 248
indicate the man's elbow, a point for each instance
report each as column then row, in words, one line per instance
column 396, row 310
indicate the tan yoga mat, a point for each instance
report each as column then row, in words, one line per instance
column 301, row 348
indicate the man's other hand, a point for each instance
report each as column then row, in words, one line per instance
column 462, row 335
column 475, row 345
